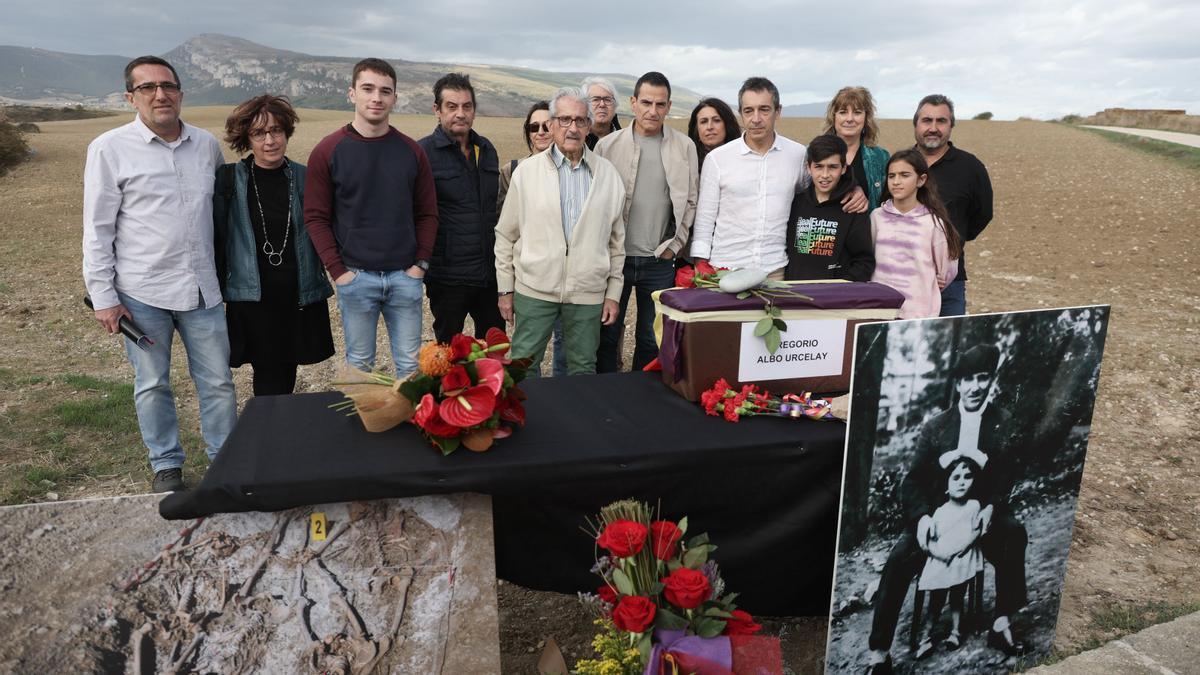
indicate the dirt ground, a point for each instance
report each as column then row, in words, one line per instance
column 1078, row 221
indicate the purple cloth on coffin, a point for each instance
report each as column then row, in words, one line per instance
column 852, row 295
column 716, row 651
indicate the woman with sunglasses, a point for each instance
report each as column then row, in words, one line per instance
column 271, row 278
column 537, row 138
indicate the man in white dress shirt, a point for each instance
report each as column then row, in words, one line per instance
column 747, row 187
column 148, row 256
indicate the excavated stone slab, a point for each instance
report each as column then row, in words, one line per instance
column 106, row 585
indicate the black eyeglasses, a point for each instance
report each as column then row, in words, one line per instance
column 566, row 122
column 260, row 134
column 534, row 127
column 149, row 88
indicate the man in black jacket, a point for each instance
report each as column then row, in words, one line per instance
column 962, row 183
column 462, row 273
column 972, row 426
column 823, row 241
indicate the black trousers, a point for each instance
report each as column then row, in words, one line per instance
column 1003, row 546
column 451, row 303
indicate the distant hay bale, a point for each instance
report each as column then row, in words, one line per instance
column 1166, row 120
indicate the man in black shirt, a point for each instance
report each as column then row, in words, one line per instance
column 962, row 182
column 466, row 170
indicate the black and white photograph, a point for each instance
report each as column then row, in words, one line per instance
column 964, row 456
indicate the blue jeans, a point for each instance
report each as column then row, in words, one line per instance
column 647, row 274
column 954, row 298
column 395, row 295
column 206, row 342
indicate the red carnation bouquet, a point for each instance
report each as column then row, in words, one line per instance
column 722, row 400
column 664, row 596
column 464, row 393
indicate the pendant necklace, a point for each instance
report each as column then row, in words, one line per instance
column 274, row 257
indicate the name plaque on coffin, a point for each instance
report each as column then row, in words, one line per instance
column 706, row 335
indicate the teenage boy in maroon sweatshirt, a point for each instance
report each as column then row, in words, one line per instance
column 370, row 206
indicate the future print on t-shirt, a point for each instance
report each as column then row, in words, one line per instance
column 815, row 236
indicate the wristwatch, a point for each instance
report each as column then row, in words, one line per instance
column 423, row 264
column 503, row 293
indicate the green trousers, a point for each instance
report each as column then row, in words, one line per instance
column 535, row 324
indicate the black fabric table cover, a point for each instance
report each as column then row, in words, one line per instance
column 765, row 489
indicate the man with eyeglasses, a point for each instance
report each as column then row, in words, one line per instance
column 148, row 257
column 602, row 96
column 659, row 168
column 466, row 170
column 370, row 207
column 560, row 242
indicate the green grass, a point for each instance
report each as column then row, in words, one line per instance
column 1183, row 155
column 72, row 430
column 1126, row 619
column 1115, row 621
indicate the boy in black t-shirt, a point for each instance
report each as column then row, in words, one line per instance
column 823, row 241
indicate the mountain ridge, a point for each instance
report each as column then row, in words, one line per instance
column 218, row 69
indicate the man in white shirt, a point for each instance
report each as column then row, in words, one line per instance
column 747, row 187
column 148, row 256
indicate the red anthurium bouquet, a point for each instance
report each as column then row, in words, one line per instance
column 732, row 404
column 464, row 393
column 661, row 593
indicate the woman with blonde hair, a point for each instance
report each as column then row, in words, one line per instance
column 851, row 117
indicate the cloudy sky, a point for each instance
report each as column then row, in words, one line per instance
column 1035, row 58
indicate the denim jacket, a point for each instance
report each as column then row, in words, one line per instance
column 237, row 253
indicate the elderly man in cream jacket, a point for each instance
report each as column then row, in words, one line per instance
column 659, row 168
column 560, row 241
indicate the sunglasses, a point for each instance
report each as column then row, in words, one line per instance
column 534, row 127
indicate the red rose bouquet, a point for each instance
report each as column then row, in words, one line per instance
column 662, row 596
column 464, row 393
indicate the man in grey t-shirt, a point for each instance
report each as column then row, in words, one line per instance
column 659, row 168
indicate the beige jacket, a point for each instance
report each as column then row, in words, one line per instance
column 679, row 165
column 533, row 256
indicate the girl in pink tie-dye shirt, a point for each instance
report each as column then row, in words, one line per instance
column 916, row 249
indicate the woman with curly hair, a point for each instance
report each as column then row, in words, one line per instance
column 271, row 278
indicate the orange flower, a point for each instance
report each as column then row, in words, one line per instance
column 434, row 359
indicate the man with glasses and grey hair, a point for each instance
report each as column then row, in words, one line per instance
column 602, row 96
column 148, row 257
column 560, row 241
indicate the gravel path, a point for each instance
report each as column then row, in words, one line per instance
column 1169, row 136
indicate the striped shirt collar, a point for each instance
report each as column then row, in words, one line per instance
column 558, row 157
